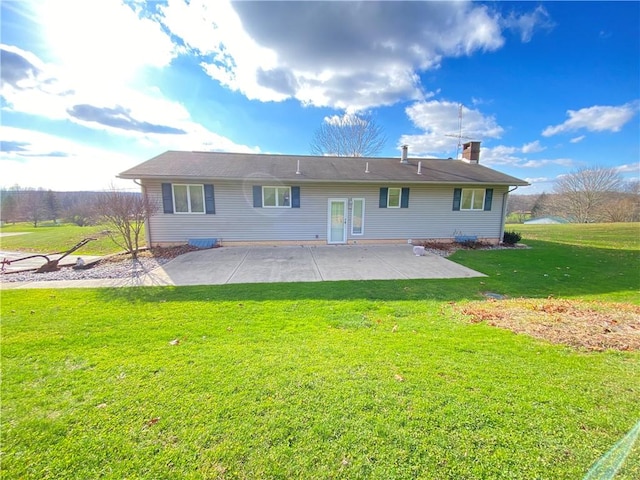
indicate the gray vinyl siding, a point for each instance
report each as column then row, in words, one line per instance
column 429, row 215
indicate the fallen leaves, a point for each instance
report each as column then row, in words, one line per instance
column 151, row 422
column 580, row 324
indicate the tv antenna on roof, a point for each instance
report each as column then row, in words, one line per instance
column 459, row 136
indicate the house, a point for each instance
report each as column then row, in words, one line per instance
column 546, row 221
column 241, row 198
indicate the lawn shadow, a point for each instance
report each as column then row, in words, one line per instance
column 546, row 269
column 389, row 290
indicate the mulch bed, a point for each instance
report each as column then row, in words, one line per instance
column 580, row 324
column 166, row 253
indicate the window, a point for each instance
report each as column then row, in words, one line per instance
column 393, row 198
column 188, row 198
column 357, row 216
column 276, row 197
column 472, row 199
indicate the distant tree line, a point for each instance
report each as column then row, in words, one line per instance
column 123, row 213
column 587, row 195
column 37, row 206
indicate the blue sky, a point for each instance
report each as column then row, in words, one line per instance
column 91, row 88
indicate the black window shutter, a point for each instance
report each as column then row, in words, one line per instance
column 167, row 198
column 209, row 199
column 295, row 197
column 404, row 198
column 384, row 193
column 457, row 197
column 488, row 198
column 257, row 196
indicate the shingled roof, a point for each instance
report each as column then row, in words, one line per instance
column 302, row 168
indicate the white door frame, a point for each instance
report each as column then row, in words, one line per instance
column 345, row 203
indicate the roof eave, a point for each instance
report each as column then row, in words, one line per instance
column 302, row 179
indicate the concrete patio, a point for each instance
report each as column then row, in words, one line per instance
column 305, row 264
column 229, row 265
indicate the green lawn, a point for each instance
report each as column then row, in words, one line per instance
column 50, row 238
column 599, row 235
column 592, row 262
column 353, row 380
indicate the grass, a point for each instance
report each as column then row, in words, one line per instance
column 50, row 238
column 599, row 235
column 591, row 262
column 380, row 379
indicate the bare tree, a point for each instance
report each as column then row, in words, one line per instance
column 620, row 207
column 539, row 207
column 582, row 193
column 125, row 213
column 83, row 211
column 33, row 205
column 348, row 136
column 8, row 206
column 52, row 204
column 632, row 186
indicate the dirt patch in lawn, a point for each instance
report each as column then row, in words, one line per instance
column 579, row 324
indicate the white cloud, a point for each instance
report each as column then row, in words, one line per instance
column 596, row 119
column 526, row 24
column 533, row 147
column 347, row 55
column 537, row 185
column 538, row 180
column 511, row 156
column 30, row 86
column 97, row 59
column 103, row 42
column 32, row 158
column 578, row 139
column 46, row 161
column 440, row 122
column 564, row 162
column 500, row 155
column 629, row 168
column 215, row 32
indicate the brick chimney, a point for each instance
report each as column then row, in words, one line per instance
column 405, row 152
column 471, row 152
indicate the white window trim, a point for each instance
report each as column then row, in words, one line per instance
column 276, row 206
column 353, row 200
column 473, row 190
column 188, row 185
column 399, row 197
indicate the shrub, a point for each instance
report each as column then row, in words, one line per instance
column 511, row 238
column 474, row 244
